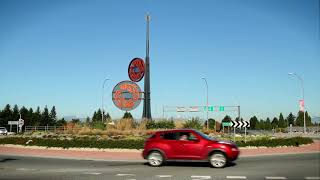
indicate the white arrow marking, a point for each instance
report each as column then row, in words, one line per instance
column 125, row 175
column 91, row 173
column 236, row 177
column 164, row 176
column 270, row 177
column 201, row 177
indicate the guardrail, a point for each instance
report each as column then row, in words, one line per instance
column 60, row 129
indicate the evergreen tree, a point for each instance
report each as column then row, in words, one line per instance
column 108, row 117
column 291, row 119
column 127, row 115
column 61, row 122
column 45, row 118
column 15, row 113
column 37, row 117
column 275, row 123
column 253, row 122
column 281, row 123
column 6, row 115
column 31, row 116
column 25, row 116
column 268, row 125
column 262, row 124
column 53, row 116
column 300, row 121
column 99, row 115
column 87, row 120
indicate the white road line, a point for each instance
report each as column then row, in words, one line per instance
column 201, row 177
column 272, row 177
column 236, row 177
column 25, row 169
column 125, row 175
column 312, row 178
column 91, row 173
column 164, row 176
column 130, row 179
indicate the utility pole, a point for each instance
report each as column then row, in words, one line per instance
column 147, row 100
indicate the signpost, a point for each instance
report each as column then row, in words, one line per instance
column 20, row 123
column 241, row 124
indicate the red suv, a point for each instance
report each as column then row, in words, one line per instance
column 188, row 144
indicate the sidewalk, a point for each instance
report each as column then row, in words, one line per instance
column 135, row 155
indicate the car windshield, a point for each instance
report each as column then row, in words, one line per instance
column 205, row 136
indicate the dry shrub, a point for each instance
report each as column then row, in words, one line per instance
column 142, row 126
column 179, row 124
column 124, row 124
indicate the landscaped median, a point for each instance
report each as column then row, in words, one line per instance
column 137, row 143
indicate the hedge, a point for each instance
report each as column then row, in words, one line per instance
column 137, row 143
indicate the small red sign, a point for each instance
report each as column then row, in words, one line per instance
column 136, row 69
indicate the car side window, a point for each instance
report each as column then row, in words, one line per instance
column 169, row 136
column 187, row 136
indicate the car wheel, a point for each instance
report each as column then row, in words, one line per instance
column 155, row 159
column 218, row 160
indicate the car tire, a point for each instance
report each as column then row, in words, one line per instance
column 218, row 160
column 155, row 159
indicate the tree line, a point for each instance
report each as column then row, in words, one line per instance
column 276, row 122
column 45, row 117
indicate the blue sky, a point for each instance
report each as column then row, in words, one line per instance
column 59, row 53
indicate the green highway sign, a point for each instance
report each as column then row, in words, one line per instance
column 226, row 123
column 212, row 108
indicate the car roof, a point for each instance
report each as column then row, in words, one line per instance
column 175, row 130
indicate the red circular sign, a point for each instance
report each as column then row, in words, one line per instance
column 126, row 95
column 136, row 69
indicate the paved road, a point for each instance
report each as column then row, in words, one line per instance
column 302, row 166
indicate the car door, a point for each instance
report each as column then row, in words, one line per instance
column 192, row 147
column 171, row 146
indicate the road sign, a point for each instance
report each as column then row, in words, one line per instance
column 240, row 124
column 21, row 122
column 226, row 123
column 13, row 122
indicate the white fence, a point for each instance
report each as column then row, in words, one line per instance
column 56, row 129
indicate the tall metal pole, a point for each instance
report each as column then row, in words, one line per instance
column 102, row 106
column 207, row 104
column 147, row 100
column 304, row 109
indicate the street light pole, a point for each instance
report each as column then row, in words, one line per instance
column 207, row 104
column 102, row 108
column 304, row 111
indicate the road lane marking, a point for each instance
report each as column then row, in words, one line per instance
column 272, row 177
column 236, row 177
column 164, row 176
column 91, row 173
column 312, row 178
column 25, row 169
column 200, row 177
column 125, row 175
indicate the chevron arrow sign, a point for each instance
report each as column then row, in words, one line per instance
column 240, row 124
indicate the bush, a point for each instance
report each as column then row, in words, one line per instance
column 136, row 143
column 162, row 124
column 78, row 143
column 193, row 124
column 99, row 125
column 295, row 141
